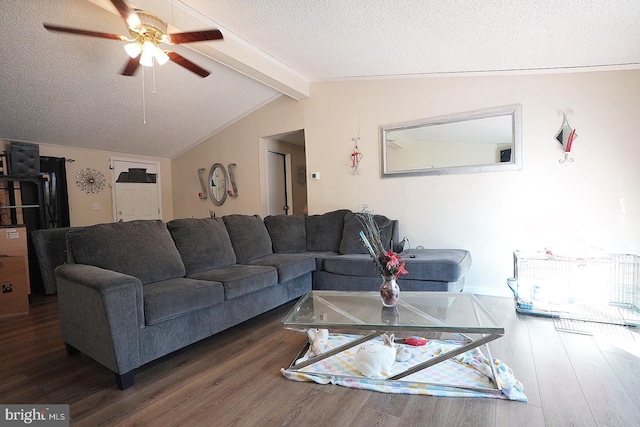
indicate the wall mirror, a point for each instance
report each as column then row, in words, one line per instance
column 478, row 141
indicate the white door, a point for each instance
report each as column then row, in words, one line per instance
column 277, row 183
column 136, row 190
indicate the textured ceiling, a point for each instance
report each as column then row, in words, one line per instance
column 65, row 89
column 333, row 39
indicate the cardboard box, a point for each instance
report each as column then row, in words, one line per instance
column 14, row 292
column 13, row 242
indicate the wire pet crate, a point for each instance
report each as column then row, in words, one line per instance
column 601, row 289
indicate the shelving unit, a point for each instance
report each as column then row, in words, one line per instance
column 11, row 186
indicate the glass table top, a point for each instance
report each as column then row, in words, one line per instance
column 419, row 311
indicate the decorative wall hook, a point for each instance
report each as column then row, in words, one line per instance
column 356, row 156
column 203, row 194
column 566, row 136
column 233, row 191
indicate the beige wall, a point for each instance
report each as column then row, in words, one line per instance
column 81, row 210
column 594, row 201
column 241, row 143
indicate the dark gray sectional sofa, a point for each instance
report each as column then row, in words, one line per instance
column 132, row 292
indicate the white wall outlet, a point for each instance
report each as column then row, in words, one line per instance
column 96, row 206
column 315, row 175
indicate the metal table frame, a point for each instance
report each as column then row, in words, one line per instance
column 486, row 333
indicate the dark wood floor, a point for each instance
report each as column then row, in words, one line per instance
column 233, row 378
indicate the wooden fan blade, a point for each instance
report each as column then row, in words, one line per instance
column 124, row 9
column 195, row 36
column 84, row 32
column 131, row 66
column 184, row 62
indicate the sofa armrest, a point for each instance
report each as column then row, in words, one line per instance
column 101, row 312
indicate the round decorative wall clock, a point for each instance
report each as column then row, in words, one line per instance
column 90, row 181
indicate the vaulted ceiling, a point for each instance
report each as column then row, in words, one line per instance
column 66, row 89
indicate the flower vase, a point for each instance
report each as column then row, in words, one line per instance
column 389, row 291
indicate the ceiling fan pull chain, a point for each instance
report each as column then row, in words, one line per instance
column 153, row 72
column 144, row 107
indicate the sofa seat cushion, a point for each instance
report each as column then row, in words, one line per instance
column 203, row 243
column 249, row 237
column 288, row 233
column 288, row 266
column 320, row 256
column 443, row 265
column 239, row 280
column 440, row 265
column 141, row 248
column 176, row 297
column 351, row 265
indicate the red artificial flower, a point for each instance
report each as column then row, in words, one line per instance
column 401, row 270
column 393, row 259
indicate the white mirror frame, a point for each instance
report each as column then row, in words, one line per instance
column 515, row 111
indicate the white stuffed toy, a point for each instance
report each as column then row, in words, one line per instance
column 318, row 339
column 374, row 360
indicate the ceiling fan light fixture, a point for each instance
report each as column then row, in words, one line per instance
column 148, row 52
column 133, row 21
column 133, row 49
column 161, row 56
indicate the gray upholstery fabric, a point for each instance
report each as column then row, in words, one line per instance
column 163, row 338
column 239, row 280
column 176, row 297
column 324, row 232
column 351, row 265
column 323, row 280
column 288, row 233
column 203, row 243
column 439, row 265
column 289, row 266
column 142, row 249
column 24, row 159
column 446, row 265
column 249, row 237
column 51, row 250
column 101, row 314
column 351, row 242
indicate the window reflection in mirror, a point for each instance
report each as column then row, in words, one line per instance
column 479, row 141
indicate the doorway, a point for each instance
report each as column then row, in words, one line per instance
column 136, row 190
column 283, row 164
column 277, row 187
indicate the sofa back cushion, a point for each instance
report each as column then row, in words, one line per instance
column 324, row 232
column 351, row 242
column 287, row 232
column 203, row 243
column 142, row 248
column 249, row 237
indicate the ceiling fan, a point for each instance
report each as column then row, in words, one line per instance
column 147, row 31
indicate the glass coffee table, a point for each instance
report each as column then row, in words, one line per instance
column 417, row 313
